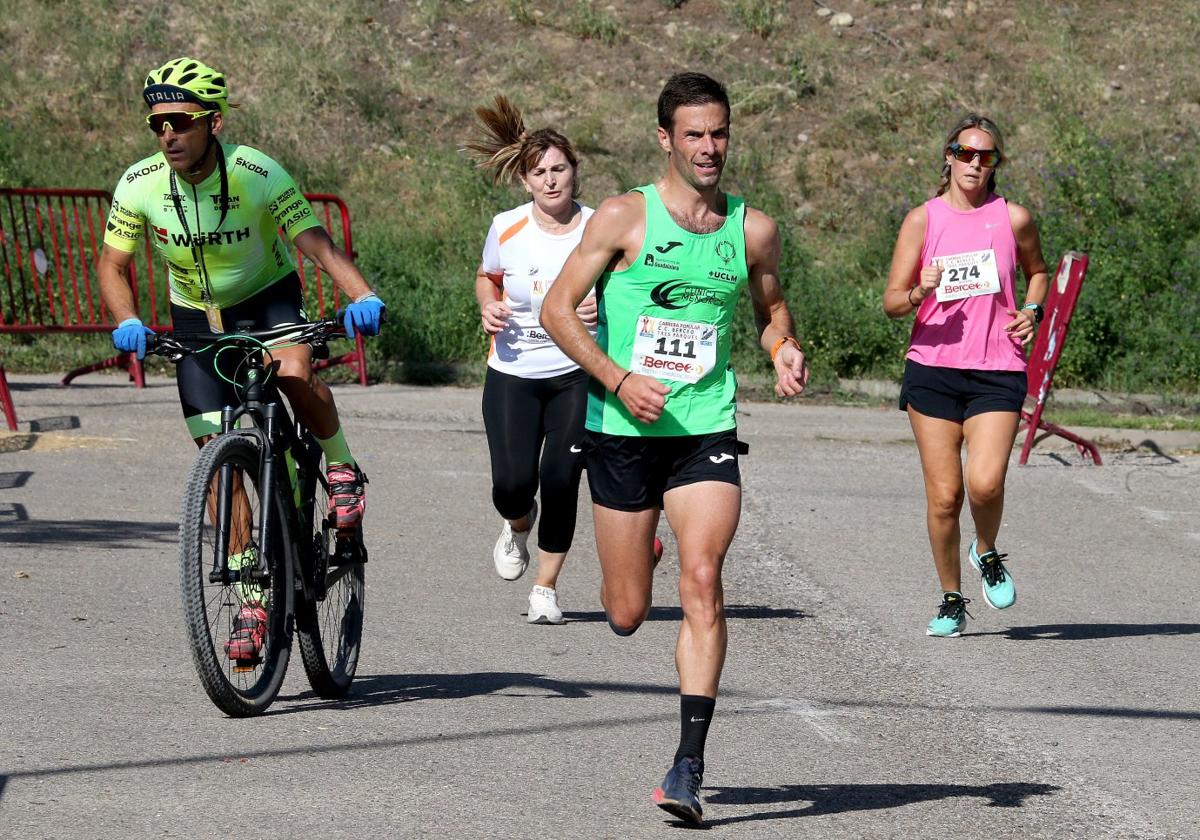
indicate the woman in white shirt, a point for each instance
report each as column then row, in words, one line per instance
column 534, row 396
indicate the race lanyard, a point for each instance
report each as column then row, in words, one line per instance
column 211, row 310
column 680, row 350
column 967, row 275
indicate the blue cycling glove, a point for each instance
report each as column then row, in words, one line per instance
column 364, row 316
column 130, row 337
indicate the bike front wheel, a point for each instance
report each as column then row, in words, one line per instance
column 237, row 622
column 330, row 627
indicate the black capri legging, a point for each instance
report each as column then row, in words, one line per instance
column 521, row 415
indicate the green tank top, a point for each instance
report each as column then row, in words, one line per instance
column 668, row 315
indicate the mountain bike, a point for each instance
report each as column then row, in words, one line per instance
column 255, row 538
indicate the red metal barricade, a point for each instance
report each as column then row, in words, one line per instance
column 1048, row 347
column 50, row 240
column 6, row 403
column 321, row 293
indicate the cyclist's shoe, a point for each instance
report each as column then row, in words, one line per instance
column 998, row 588
column 658, row 552
column 680, row 790
column 347, row 495
column 951, row 616
column 249, row 629
column 543, row 607
column 511, row 554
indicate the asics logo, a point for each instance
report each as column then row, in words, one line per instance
column 575, row 449
column 662, row 249
column 721, row 459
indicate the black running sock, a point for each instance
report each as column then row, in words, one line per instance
column 695, row 714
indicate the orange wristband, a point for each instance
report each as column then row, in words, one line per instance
column 775, row 347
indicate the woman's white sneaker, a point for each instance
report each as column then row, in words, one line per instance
column 511, row 554
column 543, row 607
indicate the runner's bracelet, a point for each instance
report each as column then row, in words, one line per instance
column 775, row 347
column 910, row 300
column 617, row 390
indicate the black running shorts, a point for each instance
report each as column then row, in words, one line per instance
column 954, row 394
column 633, row 473
column 202, row 393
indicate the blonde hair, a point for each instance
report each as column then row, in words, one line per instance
column 509, row 150
column 971, row 121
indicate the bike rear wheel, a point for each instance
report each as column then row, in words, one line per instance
column 330, row 628
column 239, row 685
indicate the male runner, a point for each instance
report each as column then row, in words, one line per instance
column 669, row 261
column 213, row 211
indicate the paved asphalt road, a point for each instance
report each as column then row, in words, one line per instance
column 1073, row 715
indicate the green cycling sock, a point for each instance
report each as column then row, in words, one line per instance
column 336, row 450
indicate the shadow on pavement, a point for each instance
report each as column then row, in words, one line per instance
column 12, row 512
column 103, row 533
column 54, row 424
column 837, row 799
column 355, row 747
column 385, row 690
column 14, row 480
column 732, row 611
column 1078, row 632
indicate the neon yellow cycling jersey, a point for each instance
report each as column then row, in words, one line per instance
column 238, row 256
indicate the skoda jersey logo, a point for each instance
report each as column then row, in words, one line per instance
column 661, row 294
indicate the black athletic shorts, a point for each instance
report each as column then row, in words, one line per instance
column 955, row 394
column 202, row 394
column 633, row 473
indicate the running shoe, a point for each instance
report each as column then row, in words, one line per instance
column 511, row 554
column 658, row 552
column 679, row 793
column 347, row 495
column 249, row 629
column 951, row 616
column 998, row 588
column 543, row 607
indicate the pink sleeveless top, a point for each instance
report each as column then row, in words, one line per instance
column 969, row 333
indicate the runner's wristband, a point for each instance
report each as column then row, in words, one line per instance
column 617, row 390
column 775, row 347
column 911, row 302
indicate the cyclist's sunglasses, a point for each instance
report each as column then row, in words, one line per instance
column 180, row 121
column 989, row 158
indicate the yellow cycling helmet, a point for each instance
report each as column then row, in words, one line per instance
column 186, row 80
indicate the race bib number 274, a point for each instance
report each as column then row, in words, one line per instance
column 967, row 275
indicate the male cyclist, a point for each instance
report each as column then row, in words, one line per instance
column 213, row 211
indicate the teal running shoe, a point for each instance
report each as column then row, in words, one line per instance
column 998, row 588
column 951, row 616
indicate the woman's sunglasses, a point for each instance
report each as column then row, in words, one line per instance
column 179, row 121
column 989, row 158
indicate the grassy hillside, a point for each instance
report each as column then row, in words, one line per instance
column 836, row 133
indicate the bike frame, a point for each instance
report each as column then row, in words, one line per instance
column 276, row 434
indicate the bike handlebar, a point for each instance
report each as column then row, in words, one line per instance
column 174, row 346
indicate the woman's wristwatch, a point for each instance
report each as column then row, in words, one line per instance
column 1038, row 312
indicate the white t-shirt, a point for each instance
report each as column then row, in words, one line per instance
column 530, row 260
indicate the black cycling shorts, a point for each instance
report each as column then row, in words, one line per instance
column 632, row 473
column 202, row 393
column 956, row 394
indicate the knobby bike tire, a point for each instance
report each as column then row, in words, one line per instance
column 330, row 630
column 234, row 693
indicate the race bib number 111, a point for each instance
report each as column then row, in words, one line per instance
column 680, row 350
column 967, row 275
